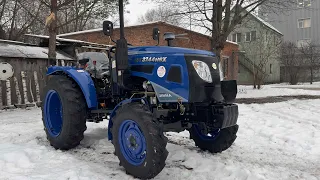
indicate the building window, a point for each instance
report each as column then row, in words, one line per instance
column 304, row 3
column 304, row 23
column 236, row 37
column 250, row 36
column 303, row 42
column 253, row 35
column 270, row 68
column 229, row 38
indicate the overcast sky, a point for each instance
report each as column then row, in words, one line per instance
column 137, row 8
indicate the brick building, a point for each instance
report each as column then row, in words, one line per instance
column 141, row 35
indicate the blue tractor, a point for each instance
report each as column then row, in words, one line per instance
column 142, row 92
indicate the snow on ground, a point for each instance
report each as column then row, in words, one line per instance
column 278, row 90
column 275, row 141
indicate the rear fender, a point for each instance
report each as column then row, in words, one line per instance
column 84, row 81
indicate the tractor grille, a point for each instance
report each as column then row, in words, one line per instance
column 200, row 90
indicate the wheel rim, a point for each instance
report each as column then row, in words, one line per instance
column 132, row 142
column 209, row 136
column 53, row 113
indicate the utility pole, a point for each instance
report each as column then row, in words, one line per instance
column 52, row 22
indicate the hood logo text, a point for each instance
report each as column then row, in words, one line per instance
column 154, row 59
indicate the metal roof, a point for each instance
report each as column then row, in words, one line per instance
column 24, row 51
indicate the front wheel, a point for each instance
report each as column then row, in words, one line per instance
column 139, row 141
column 215, row 141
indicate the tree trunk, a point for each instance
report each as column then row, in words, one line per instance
column 2, row 10
column 52, row 34
column 15, row 10
column 311, row 75
column 2, row 33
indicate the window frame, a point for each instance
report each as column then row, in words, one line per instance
column 304, row 3
column 302, row 20
column 238, row 39
column 236, row 36
column 246, row 36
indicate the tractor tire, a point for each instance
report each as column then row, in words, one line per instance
column 139, row 141
column 64, row 112
column 217, row 141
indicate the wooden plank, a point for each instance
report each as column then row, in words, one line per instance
column 27, row 96
column 13, row 95
column 15, row 91
column 29, row 75
column 33, row 87
column 18, row 93
column 8, row 91
column 1, row 106
column 14, row 98
column 20, row 85
column 28, row 85
column 41, row 76
column 35, row 75
column 4, row 93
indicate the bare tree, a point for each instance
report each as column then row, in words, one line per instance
column 74, row 15
column 82, row 14
column 18, row 16
column 310, row 52
column 291, row 61
column 219, row 17
column 161, row 13
column 52, row 25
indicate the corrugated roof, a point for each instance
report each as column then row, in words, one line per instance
column 23, row 51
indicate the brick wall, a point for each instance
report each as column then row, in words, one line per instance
column 141, row 35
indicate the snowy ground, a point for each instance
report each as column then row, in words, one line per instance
column 279, row 90
column 275, row 141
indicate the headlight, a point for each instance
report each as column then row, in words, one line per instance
column 202, row 70
column 221, row 72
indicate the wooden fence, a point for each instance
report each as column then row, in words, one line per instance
column 25, row 87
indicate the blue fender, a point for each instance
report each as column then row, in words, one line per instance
column 83, row 79
column 113, row 113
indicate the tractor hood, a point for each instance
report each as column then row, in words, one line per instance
column 166, row 50
column 172, row 74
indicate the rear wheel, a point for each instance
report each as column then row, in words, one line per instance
column 139, row 141
column 215, row 141
column 63, row 112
